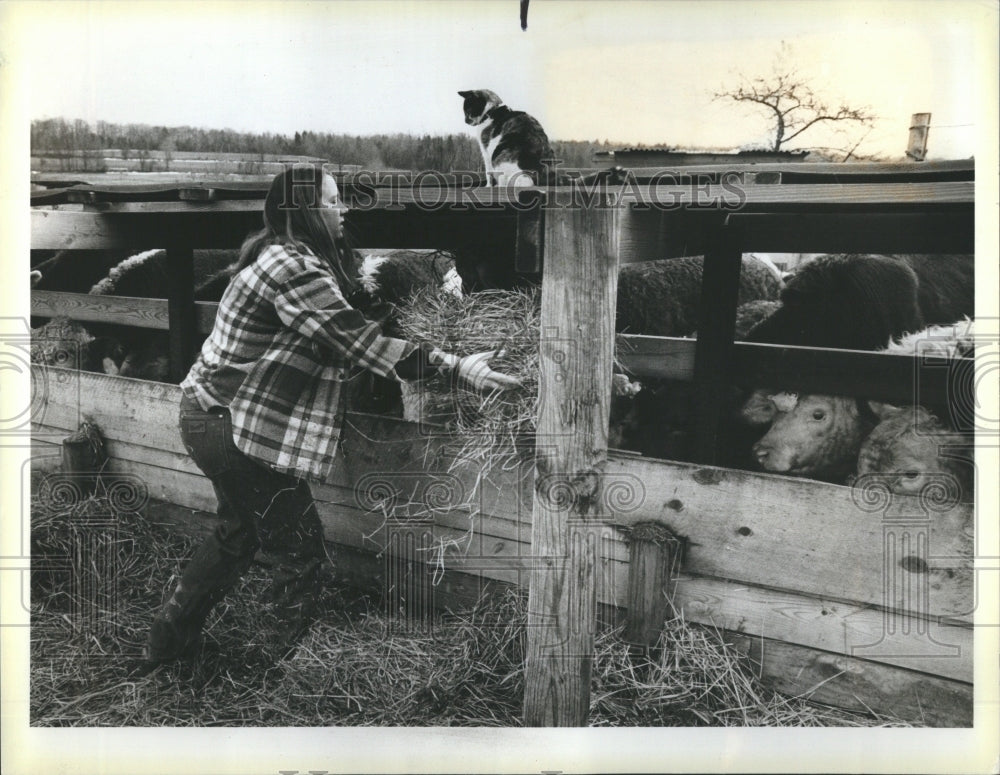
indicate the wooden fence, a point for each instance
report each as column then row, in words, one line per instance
column 854, row 602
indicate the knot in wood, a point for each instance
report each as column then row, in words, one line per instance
column 570, row 492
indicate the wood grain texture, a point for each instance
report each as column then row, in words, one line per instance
column 796, row 534
column 67, row 230
column 860, row 685
column 890, row 377
column 818, row 539
column 123, row 310
column 576, row 352
column 499, row 549
column 654, row 559
column 823, row 554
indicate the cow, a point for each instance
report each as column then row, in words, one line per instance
column 388, row 279
column 912, row 452
column 822, row 436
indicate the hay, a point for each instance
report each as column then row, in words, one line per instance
column 469, row 672
column 98, row 575
column 493, row 429
column 463, row 672
column 355, row 666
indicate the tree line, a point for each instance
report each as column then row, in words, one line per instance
column 55, row 136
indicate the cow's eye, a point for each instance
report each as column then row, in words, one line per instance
column 910, row 475
column 818, row 414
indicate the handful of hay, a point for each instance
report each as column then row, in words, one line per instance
column 494, row 428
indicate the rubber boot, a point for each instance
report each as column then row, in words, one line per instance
column 293, row 603
column 207, row 578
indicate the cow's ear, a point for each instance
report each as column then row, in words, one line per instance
column 465, row 94
column 881, row 409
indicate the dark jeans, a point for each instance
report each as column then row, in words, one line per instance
column 259, row 508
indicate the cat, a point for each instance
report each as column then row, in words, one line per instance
column 513, row 143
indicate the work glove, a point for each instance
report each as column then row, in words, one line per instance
column 474, row 371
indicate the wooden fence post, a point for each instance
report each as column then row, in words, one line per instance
column 920, row 127
column 577, row 346
column 713, row 360
column 655, row 555
column 181, row 310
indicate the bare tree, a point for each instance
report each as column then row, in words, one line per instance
column 792, row 104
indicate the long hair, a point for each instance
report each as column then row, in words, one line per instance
column 292, row 218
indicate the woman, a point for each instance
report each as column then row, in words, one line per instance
column 262, row 405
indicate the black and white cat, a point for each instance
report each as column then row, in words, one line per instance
column 513, row 143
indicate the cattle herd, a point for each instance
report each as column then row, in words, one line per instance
column 913, row 304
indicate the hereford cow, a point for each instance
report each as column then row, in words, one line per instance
column 911, row 451
column 821, row 436
column 388, row 279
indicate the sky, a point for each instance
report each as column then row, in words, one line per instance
column 627, row 72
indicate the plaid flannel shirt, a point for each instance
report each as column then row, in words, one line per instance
column 283, row 339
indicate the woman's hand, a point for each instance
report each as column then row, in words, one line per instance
column 475, row 371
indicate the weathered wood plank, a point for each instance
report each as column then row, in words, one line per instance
column 387, row 227
column 576, row 352
column 654, row 559
column 898, row 197
column 817, row 538
column 885, row 376
column 845, row 682
column 960, row 169
column 732, row 519
column 801, row 197
column 830, row 625
column 951, row 231
column 185, row 205
column 142, row 412
column 893, row 196
column 124, row 310
column 500, row 549
column 67, row 230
